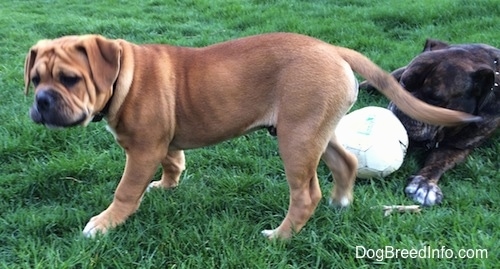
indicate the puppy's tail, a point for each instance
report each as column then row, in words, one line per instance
column 410, row 105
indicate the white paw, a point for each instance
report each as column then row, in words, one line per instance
column 95, row 226
column 90, row 230
column 158, row 184
column 270, row 234
column 151, row 186
column 342, row 203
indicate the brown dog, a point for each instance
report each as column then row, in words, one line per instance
column 461, row 77
column 159, row 100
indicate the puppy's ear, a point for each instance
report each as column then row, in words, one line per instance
column 432, row 44
column 104, row 60
column 28, row 65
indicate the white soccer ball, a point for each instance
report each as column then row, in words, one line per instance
column 377, row 138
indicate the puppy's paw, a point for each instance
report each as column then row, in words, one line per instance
column 161, row 184
column 342, row 202
column 423, row 191
column 270, row 234
column 275, row 234
column 153, row 185
column 97, row 225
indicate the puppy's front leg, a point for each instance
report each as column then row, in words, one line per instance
column 139, row 169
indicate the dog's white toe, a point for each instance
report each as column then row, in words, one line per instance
column 150, row 186
column 342, row 203
column 411, row 188
column 90, row 230
column 95, row 226
column 270, row 234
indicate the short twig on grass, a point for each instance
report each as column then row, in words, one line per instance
column 400, row 208
column 74, row 179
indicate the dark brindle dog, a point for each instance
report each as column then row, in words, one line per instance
column 460, row 77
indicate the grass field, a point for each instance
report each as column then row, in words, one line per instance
column 52, row 182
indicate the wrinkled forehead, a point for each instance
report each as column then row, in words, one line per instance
column 62, row 53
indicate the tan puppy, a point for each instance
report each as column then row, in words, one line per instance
column 159, row 100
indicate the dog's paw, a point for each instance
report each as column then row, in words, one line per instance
column 269, row 234
column 423, row 191
column 96, row 225
column 153, row 185
column 275, row 234
column 161, row 184
column 342, row 202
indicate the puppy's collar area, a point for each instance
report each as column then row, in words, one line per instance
column 98, row 117
column 497, row 76
column 101, row 114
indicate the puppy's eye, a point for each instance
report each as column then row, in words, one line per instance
column 68, row 81
column 35, row 80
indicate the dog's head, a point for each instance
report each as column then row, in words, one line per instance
column 459, row 77
column 73, row 78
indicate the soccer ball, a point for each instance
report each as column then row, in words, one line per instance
column 377, row 138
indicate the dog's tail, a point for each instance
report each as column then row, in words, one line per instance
column 410, row 105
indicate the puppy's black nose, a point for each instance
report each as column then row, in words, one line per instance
column 44, row 100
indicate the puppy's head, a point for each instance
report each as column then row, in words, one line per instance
column 73, row 78
column 458, row 77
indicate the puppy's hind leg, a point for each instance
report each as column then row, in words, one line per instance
column 343, row 165
column 173, row 165
column 300, row 155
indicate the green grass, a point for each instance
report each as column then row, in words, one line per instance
column 52, row 182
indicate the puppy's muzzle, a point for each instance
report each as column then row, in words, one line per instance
column 49, row 109
column 45, row 101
